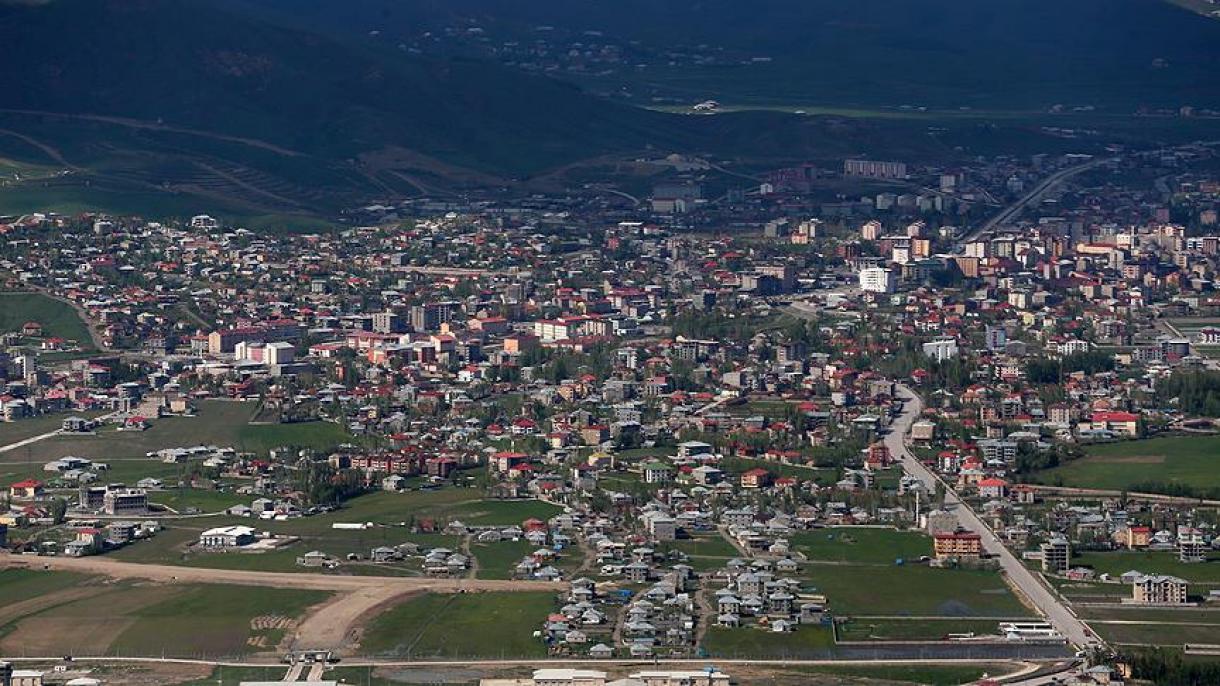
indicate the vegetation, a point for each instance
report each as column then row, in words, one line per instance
column 807, row 641
column 860, row 545
column 1176, row 465
column 57, row 317
column 461, row 625
column 1197, row 391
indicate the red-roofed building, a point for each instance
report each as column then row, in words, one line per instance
column 26, row 490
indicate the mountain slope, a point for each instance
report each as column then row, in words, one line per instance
column 998, row 54
column 192, row 65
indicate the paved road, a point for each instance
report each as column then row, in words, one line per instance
column 322, row 582
column 1033, row 196
column 1035, row 591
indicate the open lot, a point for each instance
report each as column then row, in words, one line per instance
column 913, row 590
column 1188, row 460
column 460, row 625
column 759, row 643
column 57, row 318
column 860, row 545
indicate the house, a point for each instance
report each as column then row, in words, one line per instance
column 656, row 472
column 993, row 488
column 30, row 489
column 223, row 537
column 756, row 478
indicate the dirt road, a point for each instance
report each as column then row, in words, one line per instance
column 319, row 582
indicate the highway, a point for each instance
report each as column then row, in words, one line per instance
column 1034, row 195
column 1026, row 582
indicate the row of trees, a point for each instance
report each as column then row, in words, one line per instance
column 1197, row 391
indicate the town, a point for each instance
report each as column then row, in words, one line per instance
column 972, row 423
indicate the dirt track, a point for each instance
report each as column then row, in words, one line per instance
column 320, row 582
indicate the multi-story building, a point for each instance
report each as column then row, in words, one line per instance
column 1056, row 554
column 125, row 501
column 876, row 280
column 960, row 544
column 1159, row 590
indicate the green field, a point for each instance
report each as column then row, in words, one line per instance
column 152, row 620
column 865, row 629
column 497, row 560
column 914, row 590
column 57, row 318
column 1176, row 460
column 1118, row 563
column 210, row 620
column 218, row 422
column 927, row 675
column 1157, row 634
column 861, row 545
column 463, row 625
column 11, row 432
column 753, row 642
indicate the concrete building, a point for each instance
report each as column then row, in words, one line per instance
column 876, row 280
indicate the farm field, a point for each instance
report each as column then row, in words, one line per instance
column 57, row 318
column 861, row 545
column 1187, row 460
column 460, row 625
column 155, row 620
column 913, row 590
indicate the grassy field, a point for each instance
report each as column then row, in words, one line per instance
column 153, row 620
column 1188, row 460
column 860, row 545
column 914, row 590
column 11, row 432
column 913, row 629
column 210, row 620
column 759, row 643
column 218, row 422
column 1157, row 634
column 461, row 626
column 497, row 560
column 1118, row 563
column 28, row 583
column 57, row 318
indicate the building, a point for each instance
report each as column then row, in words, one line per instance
column 941, row 349
column 227, row 537
column 1159, row 590
column 29, row 489
column 874, row 169
column 430, row 316
column 1056, row 555
column 125, row 501
column 960, row 544
column 1191, row 545
column 876, row 280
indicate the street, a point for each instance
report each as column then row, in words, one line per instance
column 1026, row 582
